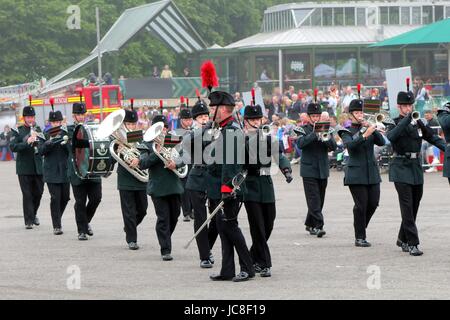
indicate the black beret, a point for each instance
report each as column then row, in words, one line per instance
column 314, row 108
column 160, row 118
column 356, row 105
column 79, row 108
column 131, row 116
column 185, row 114
column 55, row 116
column 405, row 98
column 221, row 98
column 199, row 109
column 253, row 112
column 28, row 111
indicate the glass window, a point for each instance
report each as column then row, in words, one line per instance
column 394, row 13
column 350, row 16
column 361, row 16
column 416, row 15
column 325, row 66
column 427, row 14
column 346, row 65
column 438, row 13
column 297, row 66
column 405, row 15
column 113, row 97
column 316, row 18
column 372, row 16
column 338, row 16
column 447, row 12
column 384, row 15
column 327, row 16
column 373, row 65
column 267, row 68
column 96, row 98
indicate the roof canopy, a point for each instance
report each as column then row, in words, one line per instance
column 436, row 33
column 163, row 19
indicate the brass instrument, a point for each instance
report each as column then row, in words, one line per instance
column 122, row 151
column 36, row 134
column 156, row 134
column 265, row 130
column 415, row 115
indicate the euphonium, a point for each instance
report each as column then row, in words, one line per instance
column 156, row 134
column 122, row 151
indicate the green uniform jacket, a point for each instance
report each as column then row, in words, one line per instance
column 362, row 168
column 73, row 178
column 197, row 177
column 55, row 158
column 259, row 188
column 314, row 161
column 163, row 182
column 444, row 120
column 404, row 138
column 127, row 182
column 220, row 176
column 28, row 161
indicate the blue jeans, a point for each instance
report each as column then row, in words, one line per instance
column 5, row 151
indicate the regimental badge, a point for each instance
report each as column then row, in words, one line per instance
column 101, row 165
column 102, row 151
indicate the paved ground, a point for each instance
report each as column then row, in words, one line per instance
column 34, row 264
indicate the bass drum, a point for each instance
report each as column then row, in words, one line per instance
column 91, row 155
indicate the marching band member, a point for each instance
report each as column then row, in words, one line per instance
column 186, row 127
column 55, row 153
column 362, row 175
column 133, row 196
column 444, row 120
column 196, row 187
column 259, row 196
column 165, row 188
column 220, row 188
column 87, row 192
column 405, row 169
column 314, row 169
column 28, row 166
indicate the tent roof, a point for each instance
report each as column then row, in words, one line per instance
column 163, row 19
column 435, row 33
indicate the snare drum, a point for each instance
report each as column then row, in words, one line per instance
column 91, row 155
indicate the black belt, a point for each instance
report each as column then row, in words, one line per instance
column 408, row 155
column 260, row 172
column 199, row 166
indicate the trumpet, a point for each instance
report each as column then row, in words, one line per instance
column 266, row 130
column 324, row 136
column 415, row 115
column 156, row 134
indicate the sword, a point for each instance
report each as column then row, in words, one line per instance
column 237, row 182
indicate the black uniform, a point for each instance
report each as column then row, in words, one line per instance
column 444, row 120
column 196, row 188
column 405, row 169
column 221, row 176
column 87, row 192
column 165, row 188
column 186, row 203
column 362, row 175
column 55, row 156
column 29, row 171
column 315, row 170
column 259, row 196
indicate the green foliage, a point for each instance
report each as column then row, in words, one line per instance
column 35, row 41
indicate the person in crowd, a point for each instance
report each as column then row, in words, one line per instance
column 5, row 141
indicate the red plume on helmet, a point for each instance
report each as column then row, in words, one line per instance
column 359, row 90
column 408, row 81
column 52, row 103
column 209, row 75
column 316, row 91
column 197, row 93
column 161, row 105
column 253, row 97
column 30, row 99
column 187, row 103
column 132, row 104
column 182, row 100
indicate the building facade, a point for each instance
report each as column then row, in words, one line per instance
column 311, row 44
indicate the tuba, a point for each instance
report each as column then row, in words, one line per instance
column 156, row 134
column 122, row 151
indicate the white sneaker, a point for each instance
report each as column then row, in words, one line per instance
column 436, row 161
column 432, row 169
